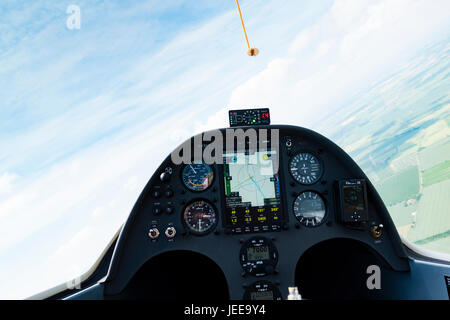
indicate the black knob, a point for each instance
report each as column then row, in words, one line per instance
column 164, row 177
column 169, row 210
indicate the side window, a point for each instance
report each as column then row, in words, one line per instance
column 401, row 139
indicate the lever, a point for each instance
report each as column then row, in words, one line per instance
column 377, row 231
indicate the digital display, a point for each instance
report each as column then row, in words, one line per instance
column 265, row 115
column 249, row 117
column 258, row 253
column 252, row 190
column 261, row 295
column 354, row 198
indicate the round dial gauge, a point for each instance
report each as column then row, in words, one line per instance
column 250, row 117
column 309, row 209
column 305, row 168
column 197, row 176
column 200, row 217
column 262, row 290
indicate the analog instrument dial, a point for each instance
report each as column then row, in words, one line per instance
column 305, row 168
column 309, row 209
column 200, row 217
column 197, row 176
column 250, row 117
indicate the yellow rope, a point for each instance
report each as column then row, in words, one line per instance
column 243, row 26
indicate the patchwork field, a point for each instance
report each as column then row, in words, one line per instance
column 436, row 174
column 399, row 134
column 400, row 187
column 433, row 214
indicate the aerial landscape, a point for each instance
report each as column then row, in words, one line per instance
column 398, row 132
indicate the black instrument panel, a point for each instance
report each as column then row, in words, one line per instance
column 255, row 218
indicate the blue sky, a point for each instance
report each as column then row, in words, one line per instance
column 87, row 115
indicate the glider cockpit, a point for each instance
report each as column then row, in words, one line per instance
column 248, row 211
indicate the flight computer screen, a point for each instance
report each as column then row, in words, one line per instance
column 252, row 191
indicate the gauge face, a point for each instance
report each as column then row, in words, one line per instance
column 250, row 117
column 197, row 176
column 200, row 217
column 305, row 168
column 309, row 209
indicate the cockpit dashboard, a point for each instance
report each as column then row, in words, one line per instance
column 245, row 212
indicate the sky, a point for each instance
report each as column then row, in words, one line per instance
column 87, row 115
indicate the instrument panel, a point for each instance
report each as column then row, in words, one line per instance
column 256, row 213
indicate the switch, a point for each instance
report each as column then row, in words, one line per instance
column 156, row 194
column 153, row 233
column 377, row 231
column 169, row 193
column 170, row 232
column 156, row 211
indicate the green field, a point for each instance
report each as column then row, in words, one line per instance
column 400, row 187
column 435, row 154
column 436, row 174
column 401, row 213
column 433, row 214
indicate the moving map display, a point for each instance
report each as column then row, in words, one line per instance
column 252, row 191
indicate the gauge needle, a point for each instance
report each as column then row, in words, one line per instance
column 195, row 172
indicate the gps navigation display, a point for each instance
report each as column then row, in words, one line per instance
column 252, row 191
